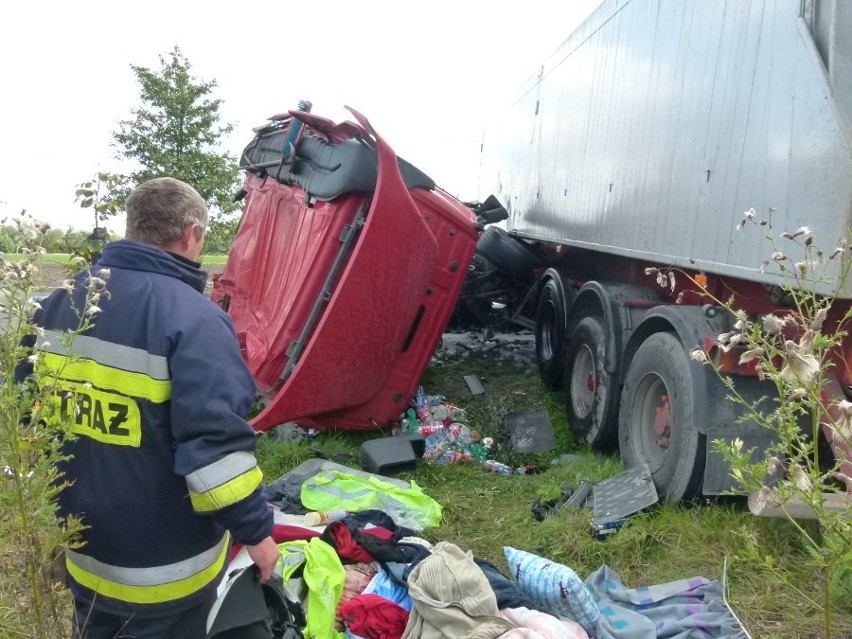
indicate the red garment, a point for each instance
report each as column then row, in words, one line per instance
column 345, row 545
column 280, row 534
column 378, row 532
column 374, row 617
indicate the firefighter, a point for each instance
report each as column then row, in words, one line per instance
column 161, row 471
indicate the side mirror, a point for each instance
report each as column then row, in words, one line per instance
column 493, row 215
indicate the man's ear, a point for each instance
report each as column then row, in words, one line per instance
column 187, row 235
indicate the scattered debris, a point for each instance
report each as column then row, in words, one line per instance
column 530, row 432
column 475, row 386
column 389, row 455
column 515, row 348
column 617, row 498
column 447, row 440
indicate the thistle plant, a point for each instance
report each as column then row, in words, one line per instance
column 33, row 600
column 795, row 348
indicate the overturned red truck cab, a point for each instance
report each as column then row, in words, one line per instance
column 343, row 275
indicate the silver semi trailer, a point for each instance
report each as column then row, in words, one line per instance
column 640, row 143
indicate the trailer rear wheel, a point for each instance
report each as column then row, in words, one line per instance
column 550, row 331
column 591, row 392
column 657, row 419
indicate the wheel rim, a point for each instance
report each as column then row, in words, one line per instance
column 655, row 422
column 547, row 339
column 583, row 382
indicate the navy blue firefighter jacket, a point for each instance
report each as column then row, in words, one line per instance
column 163, row 471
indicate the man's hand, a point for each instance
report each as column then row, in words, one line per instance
column 265, row 554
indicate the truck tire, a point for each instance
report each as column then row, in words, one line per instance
column 591, row 393
column 656, row 424
column 550, row 327
column 509, row 254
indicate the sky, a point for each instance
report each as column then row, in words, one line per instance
column 428, row 76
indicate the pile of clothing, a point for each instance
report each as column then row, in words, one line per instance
column 369, row 575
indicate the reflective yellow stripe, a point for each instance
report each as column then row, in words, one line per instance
column 107, row 417
column 148, row 593
column 125, row 358
column 109, row 378
column 228, row 493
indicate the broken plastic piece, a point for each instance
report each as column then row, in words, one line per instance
column 474, row 385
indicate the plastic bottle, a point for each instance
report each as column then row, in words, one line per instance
column 324, row 517
column 457, row 414
column 440, row 413
column 497, row 467
column 420, row 400
column 462, row 434
column 478, row 451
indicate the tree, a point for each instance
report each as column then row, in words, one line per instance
column 94, row 194
column 177, row 132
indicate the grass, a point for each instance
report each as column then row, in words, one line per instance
column 483, row 512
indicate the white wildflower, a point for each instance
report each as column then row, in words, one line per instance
column 802, row 268
column 28, row 229
column 801, row 479
column 96, row 282
column 798, row 394
column 104, row 273
column 751, row 355
column 661, row 279
column 842, row 478
column 750, row 214
column 32, row 359
column 724, row 338
column 651, row 270
column 836, row 252
column 778, row 256
column 735, row 339
column 766, row 496
column 773, row 324
column 698, row 355
column 672, row 281
column 843, row 426
column 763, row 266
column 801, row 365
column 742, row 322
column 775, row 467
column 737, row 444
column 819, row 318
column 34, row 304
column 68, row 285
column 93, row 310
column 679, row 299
